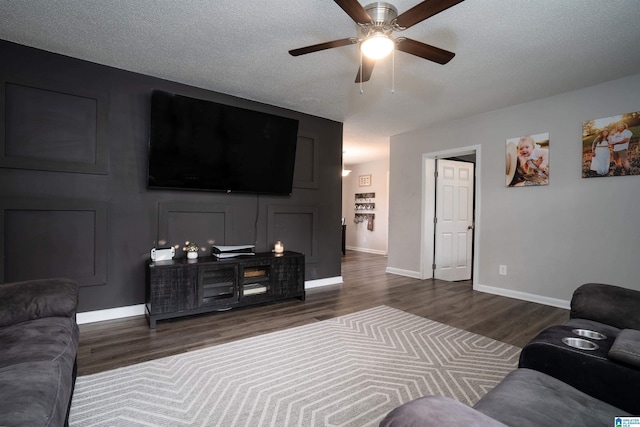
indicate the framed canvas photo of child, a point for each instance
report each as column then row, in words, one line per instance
column 527, row 160
column 610, row 146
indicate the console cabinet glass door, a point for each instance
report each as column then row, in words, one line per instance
column 217, row 285
column 256, row 282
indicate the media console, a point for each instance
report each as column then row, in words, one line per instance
column 182, row 287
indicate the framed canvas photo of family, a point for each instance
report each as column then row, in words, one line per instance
column 610, row 146
column 528, row 160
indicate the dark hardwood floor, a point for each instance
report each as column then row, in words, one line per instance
column 111, row 344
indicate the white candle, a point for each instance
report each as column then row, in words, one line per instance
column 279, row 247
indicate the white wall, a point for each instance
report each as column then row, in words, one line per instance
column 551, row 238
column 358, row 237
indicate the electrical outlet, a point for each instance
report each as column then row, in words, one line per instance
column 503, row 270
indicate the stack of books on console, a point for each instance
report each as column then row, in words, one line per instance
column 253, row 289
column 232, row 251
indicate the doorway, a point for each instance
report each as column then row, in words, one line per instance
column 446, row 248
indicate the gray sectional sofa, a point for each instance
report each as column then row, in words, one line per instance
column 38, row 346
column 525, row 398
column 608, row 369
column 587, row 385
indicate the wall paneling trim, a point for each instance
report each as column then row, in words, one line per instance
column 296, row 227
column 203, row 223
column 305, row 174
column 45, row 127
column 54, row 238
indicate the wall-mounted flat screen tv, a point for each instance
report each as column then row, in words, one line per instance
column 202, row 145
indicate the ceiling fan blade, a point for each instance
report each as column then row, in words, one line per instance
column 422, row 11
column 323, row 46
column 354, row 10
column 423, row 50
column 365, row 70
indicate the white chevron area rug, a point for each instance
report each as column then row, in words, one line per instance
column 347, row 371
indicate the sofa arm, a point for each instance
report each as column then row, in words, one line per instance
column 437, row 411
column 23, row 301
column 626, row 348
column 608, row 304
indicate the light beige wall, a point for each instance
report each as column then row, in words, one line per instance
column 358, row 237
column 551, row 238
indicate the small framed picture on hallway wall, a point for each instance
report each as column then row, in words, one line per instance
column 365, row 180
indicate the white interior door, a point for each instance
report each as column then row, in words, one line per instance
column 454, row 220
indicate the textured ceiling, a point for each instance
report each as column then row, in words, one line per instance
column 507, row 52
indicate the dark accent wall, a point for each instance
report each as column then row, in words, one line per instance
column 74, row 200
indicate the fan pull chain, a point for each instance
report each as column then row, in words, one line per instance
column 393, row 71
column 361, row 90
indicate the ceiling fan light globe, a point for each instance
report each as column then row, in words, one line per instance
column 377, row 46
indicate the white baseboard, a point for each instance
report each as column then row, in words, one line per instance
column 553, row 302
column 367, row 250
column 407, row 273
column 109, row 314
column 318, row 283
column 138, row 310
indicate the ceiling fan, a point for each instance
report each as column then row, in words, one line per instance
column 375, row 23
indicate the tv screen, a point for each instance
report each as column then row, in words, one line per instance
column 202, row 145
